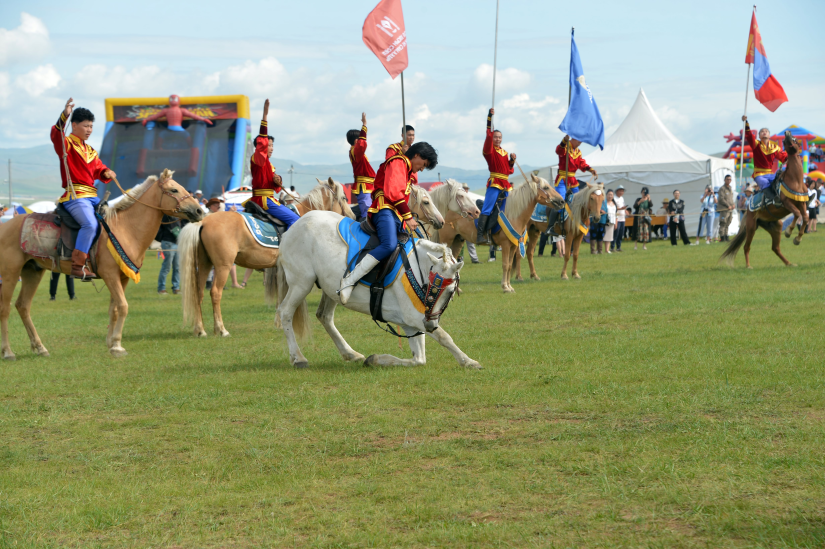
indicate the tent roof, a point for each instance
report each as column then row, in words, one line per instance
column 642, row 143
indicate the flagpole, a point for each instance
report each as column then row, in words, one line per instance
column 495, row 62
column 569, row 94
column 744, row 123
column 403, row 114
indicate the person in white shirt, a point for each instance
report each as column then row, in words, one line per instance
column 813, row 204
column 610, row 200
column 708, row 202
column 618, row 230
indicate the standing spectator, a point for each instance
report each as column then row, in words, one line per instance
column 618, row 232
column 708, row 202
column 168, row 238
column 676, row 209
column 813, row 204
column 660, row 230
column 199, row 197
column 725, row 206
column 55, row 280
column 641, row 209
column 742, row 204
column 596, row 232
column 610, row 204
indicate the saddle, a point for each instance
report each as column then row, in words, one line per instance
column 376, row 278
column 53, row 235
column 262, row 215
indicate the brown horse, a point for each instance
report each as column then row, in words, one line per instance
column 586, row 203
column 135, row 220
column 770, row 218
column 223, row 239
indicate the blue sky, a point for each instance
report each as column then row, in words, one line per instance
column 308, row 58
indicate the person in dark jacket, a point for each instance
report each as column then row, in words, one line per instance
column 168, row 238
column 676, row 210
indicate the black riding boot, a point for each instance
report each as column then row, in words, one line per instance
column 552, row 217
column 481, row 236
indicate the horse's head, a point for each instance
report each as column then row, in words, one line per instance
column 791, row 144
column 594, row 203
column 338, row 197
column 444, row 271
column 460, row 200
column 422, row 205
column 185, row 206
column 547, row 195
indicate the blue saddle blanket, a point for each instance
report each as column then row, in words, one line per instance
column 356, row 240
column 540, row 214
column 264, row 233
column 756, row 202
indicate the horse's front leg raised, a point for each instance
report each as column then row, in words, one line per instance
column 326, row 315
column 803, row 227
column 447, row 342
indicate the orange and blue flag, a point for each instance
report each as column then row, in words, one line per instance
column 766, row 87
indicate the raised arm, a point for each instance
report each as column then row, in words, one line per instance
column 360, row 146
column 488, row 141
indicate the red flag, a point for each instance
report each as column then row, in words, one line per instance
column 766, row 87
column 384, row 34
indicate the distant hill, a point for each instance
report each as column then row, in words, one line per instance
column 36, row 174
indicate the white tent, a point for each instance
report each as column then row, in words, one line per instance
column 643, row 153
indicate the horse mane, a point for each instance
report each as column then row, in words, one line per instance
column 444, row 193
column 581, row 200
column 520, row 198
column 315, row 198
column 132, row 195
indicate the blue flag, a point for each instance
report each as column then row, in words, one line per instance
column 583, row 120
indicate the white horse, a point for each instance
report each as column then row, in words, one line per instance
column 313, row 252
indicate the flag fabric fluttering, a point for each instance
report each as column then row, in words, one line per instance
column 583, row 120
column 385, row 35
column 766, row 87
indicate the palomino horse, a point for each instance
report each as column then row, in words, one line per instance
column 311, row 255
column 135, row 220
column 770, row 218
column 586, row 203
column 519, row 208
column 455, row 203
column 534, row 231
column 223, row 239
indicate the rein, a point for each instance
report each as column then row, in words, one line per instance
column 164, row 192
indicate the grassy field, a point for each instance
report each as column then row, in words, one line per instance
column 659, row 402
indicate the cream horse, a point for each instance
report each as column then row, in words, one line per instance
column 451, row 198
column 135, row 221
column 586, row 203
column 222, row 239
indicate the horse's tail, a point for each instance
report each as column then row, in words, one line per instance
column 271, row 286
column 300, row 318
column 729, row 255
column 189, row 241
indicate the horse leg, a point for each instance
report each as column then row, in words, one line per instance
column 577, row 242
column 804, row 215
column 416, row 346
column 568, row 247
column 534, row 235
column 218, row 282
column 326, row 316
column 750, row 231
column 776, row 240
column 204, row 266
column 517, row 268
column 10, row 276
column 507, row 260
column 294, row 298
column 31, row 280
column 447, row 342
column 118, row 309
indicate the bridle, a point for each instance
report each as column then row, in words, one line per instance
column 163, row 191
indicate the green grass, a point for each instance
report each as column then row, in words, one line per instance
column 659, row 402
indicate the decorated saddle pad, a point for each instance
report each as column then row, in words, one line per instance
column 264, row 233
column 540, row 214
column 756, row 202
column 39, row 235
column 356, row 240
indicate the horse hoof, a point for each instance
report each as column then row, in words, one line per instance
column 370, row 361
column 535, row 277
column 200, row 334
column 564, row 277
column 509, row 291
column 224, row 334
column 787, row 235
column 750, row 267
column 354, row 357
column 792, row 265
column 118, row 352
column 9, row 356
column 796, row 241
column 519, row 279
column 473, row 365
column 577, row 277
column 42, row 351
column 301, row 365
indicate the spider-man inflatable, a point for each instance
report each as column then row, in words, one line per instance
column 174, row 116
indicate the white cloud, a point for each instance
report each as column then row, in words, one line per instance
column 262, row 78
column 5, row 88
column 672, row 118
column 28, row 41
column 507, row 80
column 100, row 81
column 39, row 80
